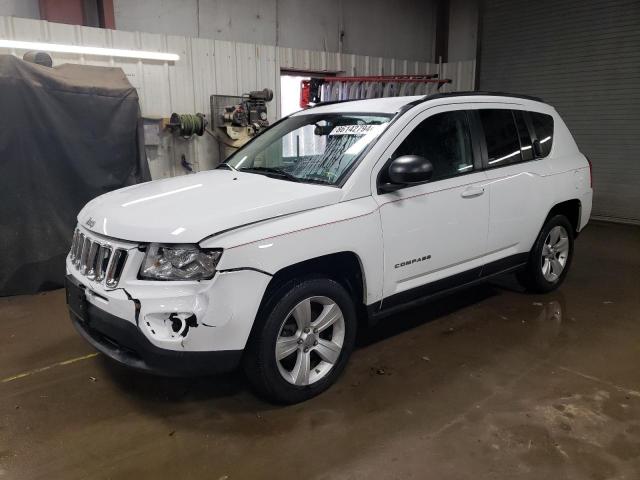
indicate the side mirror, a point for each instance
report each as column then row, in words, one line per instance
column 409, row 169
column 406, row 170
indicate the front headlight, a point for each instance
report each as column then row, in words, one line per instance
column 179, row 262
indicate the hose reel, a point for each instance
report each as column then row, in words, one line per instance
column 187, row 124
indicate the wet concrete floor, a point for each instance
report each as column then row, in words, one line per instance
column 488, row 383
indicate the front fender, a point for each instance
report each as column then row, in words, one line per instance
column 270, row 246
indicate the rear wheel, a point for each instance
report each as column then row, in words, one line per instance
column 550, row 256
column 304, row 340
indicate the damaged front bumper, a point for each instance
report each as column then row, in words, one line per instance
column 124, row 342
column 175, row 328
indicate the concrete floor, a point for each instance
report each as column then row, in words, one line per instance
column 489, row 383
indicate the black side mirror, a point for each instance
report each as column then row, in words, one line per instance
column 407, row 170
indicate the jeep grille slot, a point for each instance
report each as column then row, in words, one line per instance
column 96, row 260
column 104, row 255
column 115, row 267
column 84, row 256
column 91, row 260
column 74, row 245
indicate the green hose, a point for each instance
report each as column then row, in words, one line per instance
column 188, row 124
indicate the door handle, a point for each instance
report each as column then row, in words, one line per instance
column 472, row 192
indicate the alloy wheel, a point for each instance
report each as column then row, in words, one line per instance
column 310, row 341
column 555, row 252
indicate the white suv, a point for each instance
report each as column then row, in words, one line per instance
column 333, row 217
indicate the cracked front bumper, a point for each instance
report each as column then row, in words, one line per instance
column 123, row 342
column 125, row 322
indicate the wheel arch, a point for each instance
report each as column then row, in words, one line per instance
column 572, row 209
column 344, row 267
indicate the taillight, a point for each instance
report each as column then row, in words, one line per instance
column 590, row 173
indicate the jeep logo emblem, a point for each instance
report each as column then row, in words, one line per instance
column 90, row 222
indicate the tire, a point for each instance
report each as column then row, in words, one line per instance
column 309, row 323
column 550, row 257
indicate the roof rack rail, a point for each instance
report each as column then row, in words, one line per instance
column 477, row 93
column 332, row 102
column 435, row 96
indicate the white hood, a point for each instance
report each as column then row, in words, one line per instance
column 189, row 208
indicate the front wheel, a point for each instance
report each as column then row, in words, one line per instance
column 550, row 256
column 303, row 341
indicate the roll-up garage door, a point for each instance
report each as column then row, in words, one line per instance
column 583, row 57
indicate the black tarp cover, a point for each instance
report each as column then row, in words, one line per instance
column 67, row 135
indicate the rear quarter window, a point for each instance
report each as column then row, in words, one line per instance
column 543, row 128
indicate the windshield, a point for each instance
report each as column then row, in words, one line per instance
column 311, row 148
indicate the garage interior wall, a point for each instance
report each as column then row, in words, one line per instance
column 463, row 30
column 583, row 57
column 401, row 29
column 208, row 67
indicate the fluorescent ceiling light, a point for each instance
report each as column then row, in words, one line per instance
column 108, row 52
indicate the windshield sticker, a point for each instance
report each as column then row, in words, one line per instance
column 362, row 142
column 353, row 129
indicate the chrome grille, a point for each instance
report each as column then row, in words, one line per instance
column 97, row 260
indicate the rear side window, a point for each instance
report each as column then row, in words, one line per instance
column 503, row 143
column 543, row 128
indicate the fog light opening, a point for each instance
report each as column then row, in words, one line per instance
column 169, row 326
column 181, row 322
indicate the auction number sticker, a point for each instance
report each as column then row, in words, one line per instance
column 353, row 129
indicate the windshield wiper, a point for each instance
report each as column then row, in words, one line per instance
column 226, row 165
column 272, row 171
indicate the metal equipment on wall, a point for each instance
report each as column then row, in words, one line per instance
column 187, row 125
column 236, row 119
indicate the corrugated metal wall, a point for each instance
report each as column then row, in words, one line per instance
column 583, row 57
column 208, row 67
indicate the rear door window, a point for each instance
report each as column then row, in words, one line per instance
column 543, row 128
column 501, row 134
